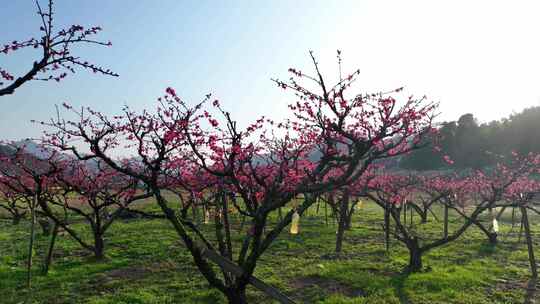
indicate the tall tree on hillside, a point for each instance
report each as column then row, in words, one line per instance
column 523, row 129
column 467, row 142
column 474, row 146
column 448, row 138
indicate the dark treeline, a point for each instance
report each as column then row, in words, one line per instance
column 473, row 145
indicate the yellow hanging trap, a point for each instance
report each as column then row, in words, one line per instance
column 295, row 223
column 495, row 225
column 206, row 216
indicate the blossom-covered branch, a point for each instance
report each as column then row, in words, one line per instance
column 56, row 52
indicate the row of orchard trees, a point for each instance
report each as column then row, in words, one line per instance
column 330, row 141
column 64, row 191
column 58, row 187
column 511, row 184
column 332, row 146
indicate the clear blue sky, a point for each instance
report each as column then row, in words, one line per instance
column 480, row 57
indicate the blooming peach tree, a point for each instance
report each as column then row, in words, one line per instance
column 97, row 194
column 329, row 141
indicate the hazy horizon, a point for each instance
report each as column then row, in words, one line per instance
column 479, row 57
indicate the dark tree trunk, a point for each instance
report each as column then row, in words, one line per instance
column 194, row 213
column 415, row 256
column 236, row 295
column 521, row 228
column 492, row 238
column 242, row 222
column 343, row 208
column 31, row 243
column 404, row 210
column 491, row 235
column 45, row 226
column 411, row 216
column 423, row 216
column 99, row 246
column 326, row 214
column 528, row 238
column 48, row 259
column 339, row 237
column 445, row 221
column 202, row 264
column 387, row 228
column 331, row 201
column 16, row 219
column 348, row 222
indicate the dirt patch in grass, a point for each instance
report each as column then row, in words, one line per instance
column 110, row 280
column 512, row 284
column 113, row 279
column 59, row 253
column 531, row 288
column 128, row 273
column 138, row 272
column 329, row 286
column 346, row 256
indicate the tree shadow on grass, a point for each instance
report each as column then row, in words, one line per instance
column 476, row 249
column 398, row 281
column 531, row 291
column 487, row 249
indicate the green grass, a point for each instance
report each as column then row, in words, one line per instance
column 146, row 263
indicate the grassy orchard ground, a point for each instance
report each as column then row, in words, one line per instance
column 147, row 264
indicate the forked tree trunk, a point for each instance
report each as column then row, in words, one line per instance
column 350, row 212
column 491, row 235
column 348, row 221
column 423, row 216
